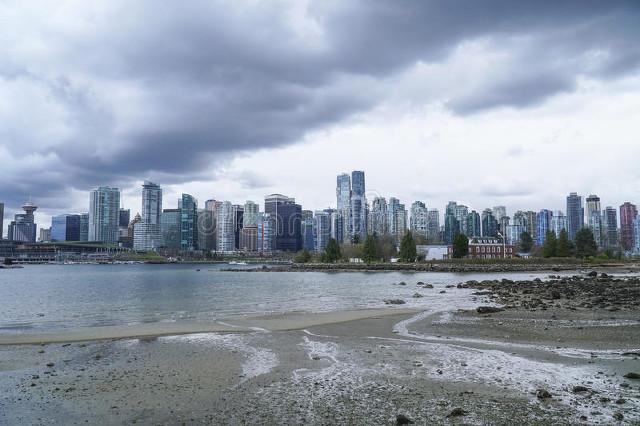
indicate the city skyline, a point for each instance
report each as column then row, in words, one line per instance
column 473, row 107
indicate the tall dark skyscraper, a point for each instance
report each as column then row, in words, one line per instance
column 628, row 214
column 188, row 206
column 1, row 220
column 65, row 227
column 288, row 217
column 358, row 206
column 124, row 218
column 575, row 215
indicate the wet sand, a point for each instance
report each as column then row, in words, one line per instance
column 360, row 367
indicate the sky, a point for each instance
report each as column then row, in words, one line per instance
column 485, row 102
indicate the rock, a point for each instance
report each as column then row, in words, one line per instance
column 394, row 302
column 555, row 295
column 620, row 401
column 603, row 275
column 543, row 394
column 618, row 416
column 35, row 377
column 401, row 419
column 488, row 309
column 50, row 364
column 482, row 293
column 593, row 274
column 417, row 295
column 402, row 283
column 457, row 412
column 315, row 357
column 578, row 389
column 634, row 376
column 428, row 286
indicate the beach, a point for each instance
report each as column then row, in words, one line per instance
column 561, row 365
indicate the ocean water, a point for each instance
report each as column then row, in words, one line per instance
column 42, row 298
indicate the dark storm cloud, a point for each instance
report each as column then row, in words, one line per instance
column 120, row 91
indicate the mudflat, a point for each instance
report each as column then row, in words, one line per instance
column 553, row 361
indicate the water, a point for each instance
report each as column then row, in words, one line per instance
column 57, row 297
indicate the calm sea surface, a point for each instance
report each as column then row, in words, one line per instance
column 56, row 297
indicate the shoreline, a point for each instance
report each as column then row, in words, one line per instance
column 290, row 321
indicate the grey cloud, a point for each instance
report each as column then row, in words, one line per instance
column 208, row 80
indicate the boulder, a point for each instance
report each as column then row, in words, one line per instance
column 543, row 394
column 578, row 389
column 394, row 302
column 488, row 309
column 457, row 412
column 634, row 376
column 401, row 419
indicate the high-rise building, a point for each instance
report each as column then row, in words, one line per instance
column 45, row 235
column 321, row 229
column 104, row 214
column 532, row 224
column 84, row 227
column 636, row 234
column 489, row 224
column 379, row 218
column 544, row 219
column 206, row 230
column 461, row 213
column 188, row 206
column 238, row 222
column 343, row 196
column 575, row 215
column 1, row 220
column 592, row 206
column 499, row 212
column 558, row 222
column 308, row 231
column 336, row 226
column 65, row 227
column 170, row 224
column 23, row 227
column 595, row 224
column 419, row 218
column 610, row 228
column 266, row 230
column 474, row 225
column 503, row 224
column 226, row 227
column 147, row 234
column 433, row 225
column 288, row 217
column 628, row 214
column 396, row 219
column 358, row 207
column 249, row 234
column 124, row 216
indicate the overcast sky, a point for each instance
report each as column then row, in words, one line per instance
column 512, row 103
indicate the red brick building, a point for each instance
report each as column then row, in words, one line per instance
column 487, row 248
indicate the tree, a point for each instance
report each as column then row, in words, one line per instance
column 526, row 242
column 564, row 246
column 386, row 247
column 303, row 256
column 408, row 251
column 460, row 246
column 331, row 252
column 550, row 245
column 585, row 243
column 369, row 249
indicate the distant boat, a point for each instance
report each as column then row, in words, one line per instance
column 233, row 262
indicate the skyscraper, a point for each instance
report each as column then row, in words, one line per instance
column 592, row 206
column 575, row 215
column 147, row 234
column 433, row 225
column 170, row 223
column 461, row 213
column 23, row 228
column 489, row 224
column 379, row 217
column 104, row 214
column 474, row 225
column 249, row 236
column 1, row 220
column 308, row 231
column 419, row 218
column 188, row 206
column 544, row 220
column 636, row 235
column 84, row 227
column 65, row 227
column 610, row 228
column 206, row 230
column 288, row 216
column 499, row 212
column 343, row 196
column 321, row 229
column 558, row 222
column 226, row 227
column 628, row 214
column 532, row 224
column 238, row 223
column 358, row 207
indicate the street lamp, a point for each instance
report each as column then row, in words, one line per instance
column 504, row 245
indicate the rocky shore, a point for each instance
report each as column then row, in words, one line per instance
column 460, row 267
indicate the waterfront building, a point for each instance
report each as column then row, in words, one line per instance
column 206, row 230
column 226, row 227
column 474, row 224
column 487, row 248
column 358, row 207
column 343, row 197
column 65, row 227
column 628, row 214
column 489, row 224
column 147, row 234
column 104, row 214
column 575, row 215
column 170, row 224
column 84, row 227
column 45, row 235
column 321, row 229
column 433, row 225
column 543, row 219
column 379, row 216
column 23, row 227
column 287, row 215
column 188, row 206
column 610, row 228
column 558, row 222
column 419, row 218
